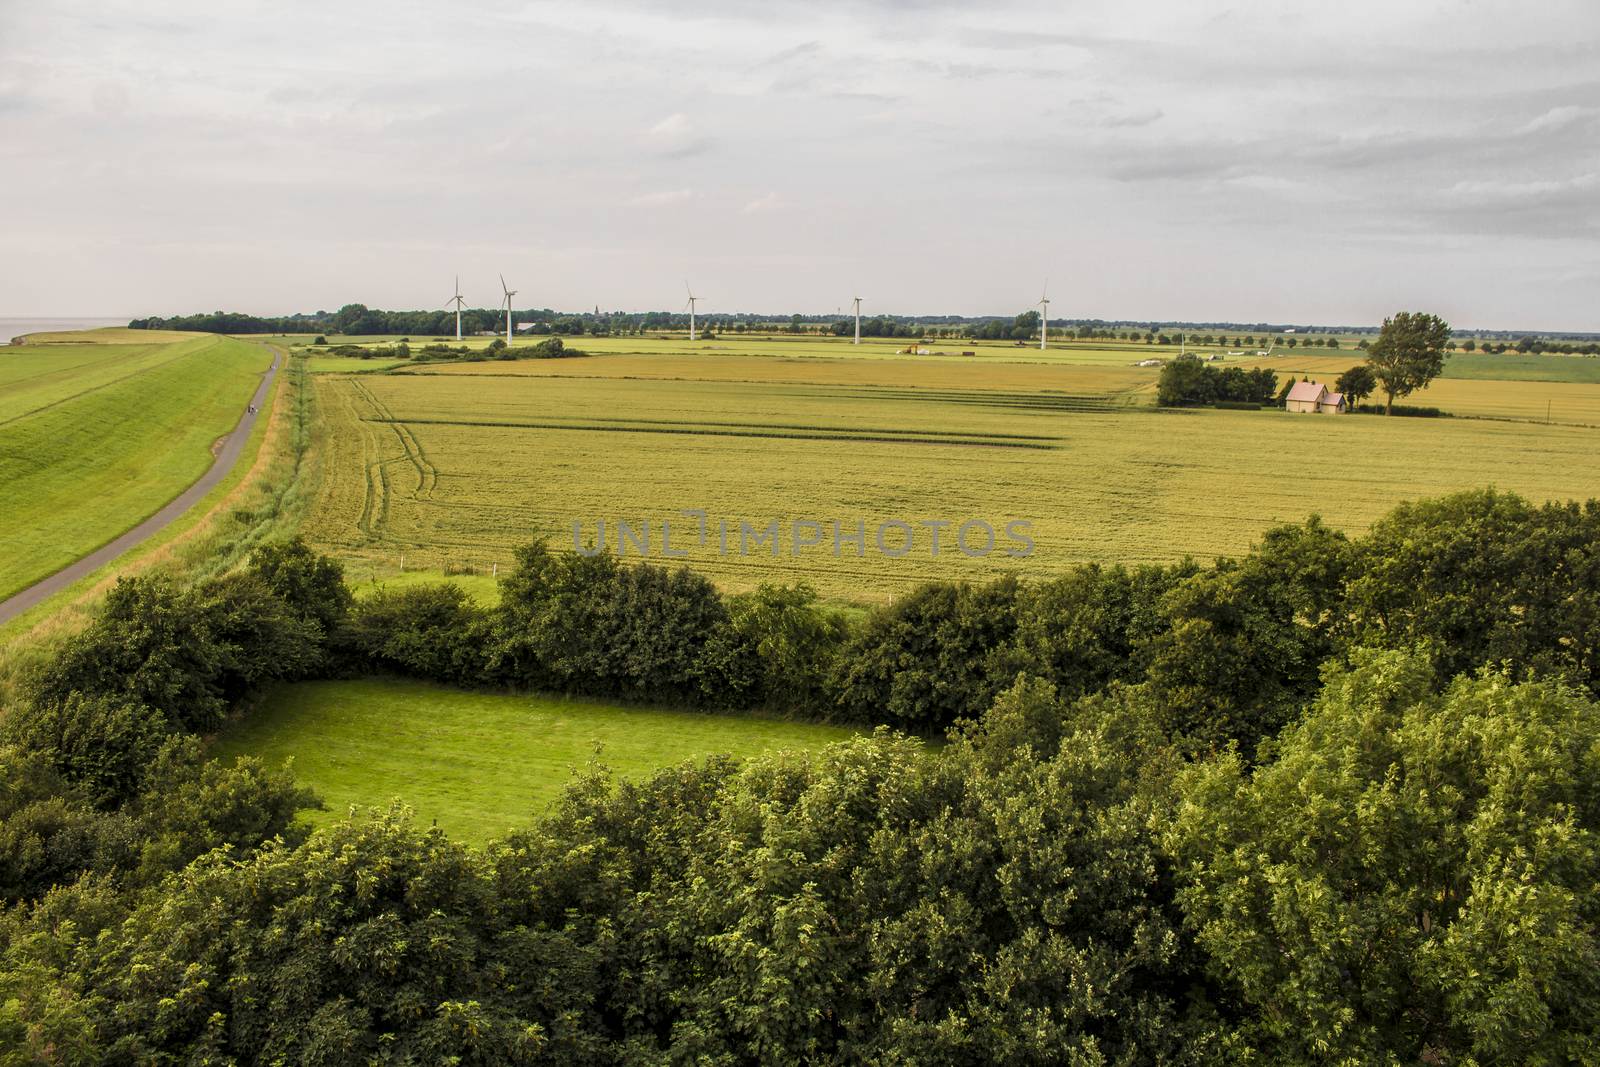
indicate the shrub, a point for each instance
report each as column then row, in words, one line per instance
column 1406, row 410
column 936, row 655
column 586, row 624
column 427, row 631
column 103, row 744
column 1484, row 577
column 311, row 584
column 774, row 651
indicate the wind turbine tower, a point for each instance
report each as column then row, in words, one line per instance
column 509, row 294
column 457, row 301
column 858, row 320
column 1044, row 317
column 690, row 305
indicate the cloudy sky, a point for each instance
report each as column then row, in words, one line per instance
column 1174, row 159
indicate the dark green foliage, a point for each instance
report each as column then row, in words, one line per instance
column 428, row 631
column 1356, row 383
column 774, row 651
column 185, row 653
column 1188, row 380
column 1412, row 879
column 103, row 744
column 147, row 646
column 51, row 831
column 1232, row 664
column 1483, row 577
column 257, row 636
column 311, row 584
column 938, row 654
column 1091, row 627
column 1238, row 647
column 1410, row 411
column 374, row 941
column 586, row 624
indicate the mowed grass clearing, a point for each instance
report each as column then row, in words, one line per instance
column 456, row 466
column 479, row 763
column 94, row 443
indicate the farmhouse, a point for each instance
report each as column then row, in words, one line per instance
column 1316, row 397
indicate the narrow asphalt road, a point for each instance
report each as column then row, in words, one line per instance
column 227, row 456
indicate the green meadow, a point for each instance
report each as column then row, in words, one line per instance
column 479, row 764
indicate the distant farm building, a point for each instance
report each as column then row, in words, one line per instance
column 1314, row 397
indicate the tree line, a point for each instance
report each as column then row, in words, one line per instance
column 1329, row 802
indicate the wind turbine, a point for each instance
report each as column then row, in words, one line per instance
column 858, row 319
column 1044, row 316
column 457, row 301
column 690, row 305
column 509, row 294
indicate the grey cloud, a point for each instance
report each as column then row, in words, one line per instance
column 1350, row 139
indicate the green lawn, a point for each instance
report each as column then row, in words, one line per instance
column 479, row 763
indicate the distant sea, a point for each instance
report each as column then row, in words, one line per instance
column 10, row 328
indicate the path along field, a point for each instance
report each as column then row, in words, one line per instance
column 479, row 763
column 453, row 466
column 94, row 437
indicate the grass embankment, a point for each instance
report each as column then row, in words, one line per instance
column 479, row 763
column 264, row 497
column 93, row 444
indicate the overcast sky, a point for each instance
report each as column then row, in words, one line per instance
column 1172, row 159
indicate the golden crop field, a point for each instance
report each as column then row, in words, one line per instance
column 453, row 466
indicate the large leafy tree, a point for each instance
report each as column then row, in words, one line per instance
column 1412, row 879
column 1408, row 354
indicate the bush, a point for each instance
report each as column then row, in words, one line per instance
column 774, row 652
column 427, row 631
column 103, row 744
column 311, row 584
column 939, row 654
column 188, row 653
column 586, row 624
column 1484, row 577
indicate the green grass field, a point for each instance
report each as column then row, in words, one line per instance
column 479, row 763
column 95, row 437
column 456, row 465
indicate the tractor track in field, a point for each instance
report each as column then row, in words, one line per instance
column 227, row 456
column 380, row 487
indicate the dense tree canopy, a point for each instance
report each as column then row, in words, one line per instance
column 1332, row 801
